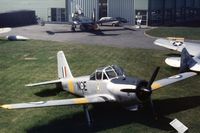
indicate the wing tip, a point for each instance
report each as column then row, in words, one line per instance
column 155, row 86
column 29, row 85
column 6, row 106
column 190, row 73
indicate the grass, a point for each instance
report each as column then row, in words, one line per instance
column 185, row 32
column 180, row 100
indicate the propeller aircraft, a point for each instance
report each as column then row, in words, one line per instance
column 190, row 54
column 106, row 85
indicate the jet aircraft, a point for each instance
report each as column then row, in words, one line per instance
column 83, row 23
column 190, row 54
column 105, row 85
column 79, row 20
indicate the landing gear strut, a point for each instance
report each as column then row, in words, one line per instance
column 88, row 117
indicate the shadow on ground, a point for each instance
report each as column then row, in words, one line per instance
column 97, row 32
column 49, row 92
column 111, row 116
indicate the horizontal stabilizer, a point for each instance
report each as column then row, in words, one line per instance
column 65, row 102
column 173, row 61
column 44, row 83
column 170, row 80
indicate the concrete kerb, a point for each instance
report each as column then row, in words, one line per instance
column 147, row 35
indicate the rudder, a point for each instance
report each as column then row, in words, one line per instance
column 63, row 67
column 186, row 61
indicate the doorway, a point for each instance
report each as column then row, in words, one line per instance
column 103, row 7
column 144, row 16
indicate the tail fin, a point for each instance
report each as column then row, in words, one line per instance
column 63, row 67
column 186, row 61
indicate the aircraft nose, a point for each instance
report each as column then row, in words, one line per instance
column 142, row 92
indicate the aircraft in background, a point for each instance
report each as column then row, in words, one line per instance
column 79, row 20
column 83, row 23
column 5, row 30
column 190, row 54
column 105, row 85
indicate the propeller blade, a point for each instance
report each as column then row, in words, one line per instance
column 153, row 77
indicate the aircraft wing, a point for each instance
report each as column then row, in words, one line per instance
column 44, row 83
column 167, row 81
column 4, row 30
column 65, row 102
column 169, row 44
column 192, row 48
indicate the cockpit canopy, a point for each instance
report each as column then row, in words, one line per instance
column 106, row 73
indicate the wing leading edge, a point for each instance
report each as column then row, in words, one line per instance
column 167, row 81
column 64, row 102
column 44, row 83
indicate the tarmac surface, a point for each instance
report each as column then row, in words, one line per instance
column 127, row 36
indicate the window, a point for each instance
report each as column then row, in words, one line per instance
column 118, row 70
column 58, row 14
column 111, row 74
column 98, row 75
column 104, row 77
column 92, row 76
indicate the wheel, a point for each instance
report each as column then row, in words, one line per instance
column 73, row 28
column 82, row 27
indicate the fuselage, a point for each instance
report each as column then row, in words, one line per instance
column 107, row 83
column 83, row 86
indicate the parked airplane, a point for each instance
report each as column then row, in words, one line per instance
column 106, row 84
column 187, row 49
column 4, row 30
column 83, row 23
column 79, row 20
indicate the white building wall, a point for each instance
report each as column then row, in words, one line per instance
column 42, row 7
column 122, row 8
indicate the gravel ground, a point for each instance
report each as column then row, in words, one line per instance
column 111, row 36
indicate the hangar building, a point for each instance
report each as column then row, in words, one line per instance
column 154, row 12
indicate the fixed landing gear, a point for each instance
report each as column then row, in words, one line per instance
column 73, row 28
column 88, row 116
